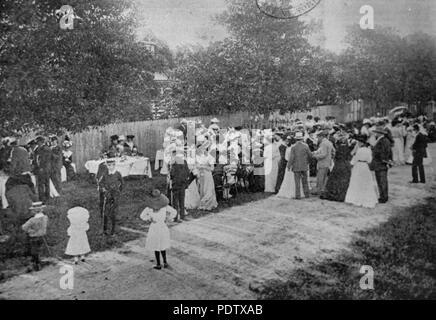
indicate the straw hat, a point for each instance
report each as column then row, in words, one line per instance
column 37, row 206
column 157, row 200
column 380, row 130
column 299, row 136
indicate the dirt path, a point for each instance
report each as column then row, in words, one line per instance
column 224, row 255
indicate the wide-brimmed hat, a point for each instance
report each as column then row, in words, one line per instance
column 299, row 136
column 37, row 206
column 214, row 127
column 323, row 133
column 157, row 200
column 67, row 144
column 380, row 130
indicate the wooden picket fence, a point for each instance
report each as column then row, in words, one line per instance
column 149, row 135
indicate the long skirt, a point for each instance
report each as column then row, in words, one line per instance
column 398, row 151
column 207, row 191
column 281, row 173
column 338, row 182
column 362, row 189
column 192, row 197
column 287, row 190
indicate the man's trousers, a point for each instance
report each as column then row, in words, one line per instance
column 381, row 177
column 418, row 166
column 301, row 176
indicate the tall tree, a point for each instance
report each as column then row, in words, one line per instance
column 265, row 64
column 93, row 74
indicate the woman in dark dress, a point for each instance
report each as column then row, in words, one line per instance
column 67, row 159
column 339, row 179
column 282, row 163
column 313, row 145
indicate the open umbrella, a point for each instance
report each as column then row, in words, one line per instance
column 397, row 111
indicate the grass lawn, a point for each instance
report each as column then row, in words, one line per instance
column 83, row 192
column 402, row 253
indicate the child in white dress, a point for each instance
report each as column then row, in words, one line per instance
column 78, row 244
column 362, row 189
column 158, row 237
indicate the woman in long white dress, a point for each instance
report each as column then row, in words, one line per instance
column 362, row 189
column 410, row 139
column 272, row 157
column 287, row 189
column 398, row 134
column 204, row 164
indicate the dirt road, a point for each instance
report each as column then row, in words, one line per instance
column 224, row 255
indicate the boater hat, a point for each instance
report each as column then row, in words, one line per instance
column 157, row 200
column 380, row 130
column 299, row 136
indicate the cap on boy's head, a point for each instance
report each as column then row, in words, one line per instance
column 37, row 207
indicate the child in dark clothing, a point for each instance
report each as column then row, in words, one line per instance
column 112, row 185
column 179, row 174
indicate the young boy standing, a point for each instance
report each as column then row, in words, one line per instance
column 112, row 185
column 179, row 181
column 36, row 229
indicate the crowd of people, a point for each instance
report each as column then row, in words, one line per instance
column 120, row 146
column 30, row 175
column 350, row 162
column 207, row 164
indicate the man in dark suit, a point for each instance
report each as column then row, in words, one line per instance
column 130, row 145
column 381, row 158
column 42, row 169
column 419, row 149
column 56, row 163
column 101, row 173
column 299, row 161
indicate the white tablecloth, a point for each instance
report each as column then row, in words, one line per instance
column 3, row 178
column 131, row 166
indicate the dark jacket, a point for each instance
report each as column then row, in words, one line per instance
column 113, row 183
column 419, row 147
column 102, row 171
column 381, row 154
column 20, row 162
column 300, row 157
column 56, row 158
column 179, row 175
column 20, row 199
column 42, row 163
